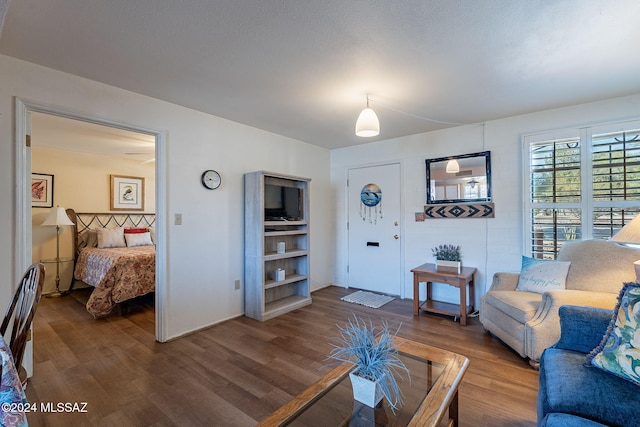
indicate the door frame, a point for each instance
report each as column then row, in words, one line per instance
column 23, row 226
column 400, row 163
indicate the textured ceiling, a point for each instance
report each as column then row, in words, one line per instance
column 302, row 68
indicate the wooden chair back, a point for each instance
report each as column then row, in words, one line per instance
column 22, row 309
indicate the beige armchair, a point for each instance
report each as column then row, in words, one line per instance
column 529, row 322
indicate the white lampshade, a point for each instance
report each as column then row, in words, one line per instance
column 57, row 216
column 367, row 124
column 630, row 233
column 453, row 166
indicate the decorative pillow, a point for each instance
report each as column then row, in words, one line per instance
column 135, row 230
column 138, row 239
column 619, row 350
column 539, row 276
column 111, row 238
column 152, row 230
column 88, row 239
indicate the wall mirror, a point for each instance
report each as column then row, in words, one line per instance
column 459, row 179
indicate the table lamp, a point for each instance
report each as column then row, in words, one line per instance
column 630, row 233
column 57, row 217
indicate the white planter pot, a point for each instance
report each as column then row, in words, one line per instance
column 443, row 265
column 366, row 391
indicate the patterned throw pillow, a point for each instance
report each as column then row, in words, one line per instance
column 539, row 275
column 619, row 351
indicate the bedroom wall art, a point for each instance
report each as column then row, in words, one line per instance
column 41, row 190
column 127, row 193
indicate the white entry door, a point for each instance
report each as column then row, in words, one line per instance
column 374, row 228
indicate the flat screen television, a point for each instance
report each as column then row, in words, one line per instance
column 282, row 203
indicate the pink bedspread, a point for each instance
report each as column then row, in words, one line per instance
column 118, row 274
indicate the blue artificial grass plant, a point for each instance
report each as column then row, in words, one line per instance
column 373, row 353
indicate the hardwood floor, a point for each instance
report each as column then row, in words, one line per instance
column 238, row 372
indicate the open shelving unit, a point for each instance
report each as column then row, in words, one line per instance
column 276, row 212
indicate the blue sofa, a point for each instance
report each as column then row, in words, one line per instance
column 572, row 394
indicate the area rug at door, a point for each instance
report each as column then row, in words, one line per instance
column 368, row 299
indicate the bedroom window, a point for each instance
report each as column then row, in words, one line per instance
column 580, row 184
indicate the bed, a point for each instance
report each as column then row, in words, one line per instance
column 115, row 254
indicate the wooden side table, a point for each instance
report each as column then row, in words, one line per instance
column 428, row 273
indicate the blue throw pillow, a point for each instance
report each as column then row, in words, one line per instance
column 539, row 275
column 619, row 351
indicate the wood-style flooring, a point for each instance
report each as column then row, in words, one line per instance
column 238, row 372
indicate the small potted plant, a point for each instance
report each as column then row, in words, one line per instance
column 447, row 257
column 374, row 354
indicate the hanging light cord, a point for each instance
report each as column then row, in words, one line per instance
column 415, row 116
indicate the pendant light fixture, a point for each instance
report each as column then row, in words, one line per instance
column 367, row 124
column 453, row 166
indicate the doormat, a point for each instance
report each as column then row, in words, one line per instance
column 368, row 299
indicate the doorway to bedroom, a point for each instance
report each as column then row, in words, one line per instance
column 58, row 149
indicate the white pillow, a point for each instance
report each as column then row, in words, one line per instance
column 138, row 239
column 111, row 238
column 152, row 230
column 539, row 276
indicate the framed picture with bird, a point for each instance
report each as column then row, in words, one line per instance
column 127, row 193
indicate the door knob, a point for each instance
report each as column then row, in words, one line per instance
column 396, row 237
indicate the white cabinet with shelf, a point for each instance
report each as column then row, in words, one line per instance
column 276, row 212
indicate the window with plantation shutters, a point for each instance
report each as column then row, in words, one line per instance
column 555, row 171
column 580, row 184
column 616, row 166
column 555, row 189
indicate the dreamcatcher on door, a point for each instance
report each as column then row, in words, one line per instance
column 371, row 206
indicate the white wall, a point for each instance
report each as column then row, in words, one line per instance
column 493, row 244
column 205, row 254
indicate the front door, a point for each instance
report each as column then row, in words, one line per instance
column 374, row 228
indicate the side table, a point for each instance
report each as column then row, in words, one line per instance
column 428, row 273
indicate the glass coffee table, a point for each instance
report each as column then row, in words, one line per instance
column 428, row 396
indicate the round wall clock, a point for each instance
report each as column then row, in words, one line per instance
column 211, row 179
